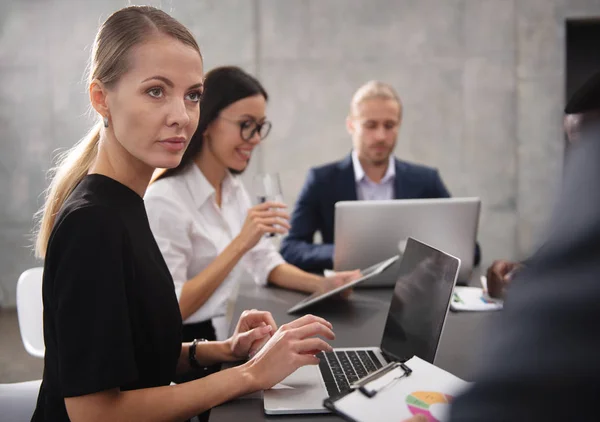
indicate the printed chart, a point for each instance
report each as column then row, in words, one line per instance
column 431, row 404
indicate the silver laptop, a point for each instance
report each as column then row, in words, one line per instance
column 367, row 232
column 414, row 327
column 367, row 274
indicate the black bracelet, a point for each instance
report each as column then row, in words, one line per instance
column 192, row 355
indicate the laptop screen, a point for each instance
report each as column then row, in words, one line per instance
column 420, row 303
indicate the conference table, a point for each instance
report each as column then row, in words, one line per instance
column 357, row 322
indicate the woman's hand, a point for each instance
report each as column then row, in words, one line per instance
column 253, row 330
column 293, row 345
column 339, row 279
column 262, row 219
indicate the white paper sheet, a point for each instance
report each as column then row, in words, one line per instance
column 429, row 391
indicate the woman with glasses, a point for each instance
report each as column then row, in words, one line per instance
column 202, row 217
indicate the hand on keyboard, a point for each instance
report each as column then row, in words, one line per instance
column 253, row 330
column 293, row 345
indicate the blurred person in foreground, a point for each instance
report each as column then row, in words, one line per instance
column 542, row 360
column 582, row 114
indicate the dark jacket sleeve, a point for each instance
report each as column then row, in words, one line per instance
column 298, row 247
column 439, row 190
column 542, row 358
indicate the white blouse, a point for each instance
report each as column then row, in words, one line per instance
column 191, row 230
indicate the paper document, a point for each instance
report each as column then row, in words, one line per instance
column 473, row 299
column 427, row 391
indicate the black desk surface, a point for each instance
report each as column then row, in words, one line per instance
column 357, row 322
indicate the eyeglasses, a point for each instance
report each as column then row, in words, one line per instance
column 249, row 127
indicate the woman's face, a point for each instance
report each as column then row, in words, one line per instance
column 223, row 138
column 154, row 107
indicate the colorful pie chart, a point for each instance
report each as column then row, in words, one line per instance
column 428, row 403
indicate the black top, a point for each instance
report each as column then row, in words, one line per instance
column 111, row 318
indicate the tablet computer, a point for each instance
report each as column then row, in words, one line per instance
column 367, row 273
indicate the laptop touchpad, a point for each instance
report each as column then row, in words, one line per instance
column 302, row 390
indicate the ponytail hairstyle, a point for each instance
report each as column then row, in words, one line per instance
column 122, row 31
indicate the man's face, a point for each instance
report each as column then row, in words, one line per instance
column 374, row 126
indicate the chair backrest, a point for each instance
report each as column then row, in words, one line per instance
column 30, row 311
column 18, row 400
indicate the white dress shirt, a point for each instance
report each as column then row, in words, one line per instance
column 191, row 230
column 368, row 190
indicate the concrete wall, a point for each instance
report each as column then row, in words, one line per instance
column 482, row 82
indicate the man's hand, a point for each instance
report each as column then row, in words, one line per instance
column 499, row 276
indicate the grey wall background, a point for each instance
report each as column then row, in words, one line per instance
column 482, row 82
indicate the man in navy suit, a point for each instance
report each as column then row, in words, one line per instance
column 370, row 172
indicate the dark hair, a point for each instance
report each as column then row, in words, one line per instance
column 223, row 86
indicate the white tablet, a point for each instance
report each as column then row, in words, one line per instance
column 366, row 274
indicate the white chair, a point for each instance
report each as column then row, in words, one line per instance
column 18, row 400
column 30, row 311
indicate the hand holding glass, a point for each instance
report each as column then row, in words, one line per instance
column 267, row 188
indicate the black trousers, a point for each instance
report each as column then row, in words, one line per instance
column 199, row 330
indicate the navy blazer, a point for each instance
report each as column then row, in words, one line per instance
column 335, row 182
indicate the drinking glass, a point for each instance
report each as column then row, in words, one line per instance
column 267, row 187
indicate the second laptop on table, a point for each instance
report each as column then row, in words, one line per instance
column 367, row 232
column 414, row 327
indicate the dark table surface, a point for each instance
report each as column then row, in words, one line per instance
column 357, row 322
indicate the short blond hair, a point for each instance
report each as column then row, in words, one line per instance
column 374, row 89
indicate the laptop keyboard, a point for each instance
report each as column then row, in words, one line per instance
column 343, row 368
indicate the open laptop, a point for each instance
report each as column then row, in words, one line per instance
column 367, row 273
column 369, row 231
column 414, row 327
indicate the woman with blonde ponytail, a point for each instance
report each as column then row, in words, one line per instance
column 112, row 326
column 72, row 167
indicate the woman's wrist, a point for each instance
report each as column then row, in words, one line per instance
column 227, row 351
column 249, row 378
column 239, row 246
column 211, row 353
column 290, row 277
column 193, row 356
column 314, row 283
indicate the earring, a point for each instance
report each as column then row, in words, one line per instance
column 105, row 120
